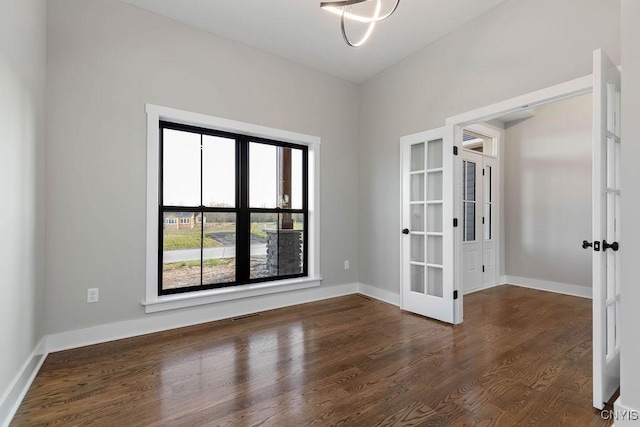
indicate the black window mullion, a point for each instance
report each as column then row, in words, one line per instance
column 201, row 211
column 243, row 225
column 305, row 206
column 160, row 210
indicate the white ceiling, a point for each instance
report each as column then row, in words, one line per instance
column 300, row 31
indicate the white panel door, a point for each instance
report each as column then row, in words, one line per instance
column 427, row 221
column 606, row 229
column 478, row 221
column 472, row 230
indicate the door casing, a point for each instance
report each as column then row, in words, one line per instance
column 576, row 87
column 498, row 136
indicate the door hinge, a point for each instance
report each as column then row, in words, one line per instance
column 483, row 220
column 455, row 150
column 482, row 172
column 455, row 222
column 483, row 268
column 455, row 294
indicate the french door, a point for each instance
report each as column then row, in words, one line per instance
column 478, row 216
column 427, row 221
column 606, row 229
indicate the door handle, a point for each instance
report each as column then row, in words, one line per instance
column 586, row 244
column 405, row 231
column 613, row 246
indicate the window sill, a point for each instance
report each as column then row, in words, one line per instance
column 212, row 296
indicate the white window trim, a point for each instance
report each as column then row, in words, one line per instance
column 154, row 302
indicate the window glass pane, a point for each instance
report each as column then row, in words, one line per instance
column 181, row 240
column 417, row 187
column 417, row 278
column 181, row 168
column 275, row 177
column 487, row 184
column 434, row 218
column 296, row 179
column 434, row 183
column 434, row 250
column 487, row 221
column 469, row 221
column 417, row 248
column 262, row 225
column 470, row 181
column 276, row 251
column 218, row 171
column 219, row 252
column 434, row 158
column 263, row 177
column 417, row 217
column 434, row 282
column 417, row 157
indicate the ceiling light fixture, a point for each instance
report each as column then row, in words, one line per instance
column 340, row 8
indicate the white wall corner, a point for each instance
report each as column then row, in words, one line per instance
column 622, row 415
column 12, row 397
column 379, row 294
column 556, row 287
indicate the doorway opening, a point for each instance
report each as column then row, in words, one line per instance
column 441, row 296
column 480, row 204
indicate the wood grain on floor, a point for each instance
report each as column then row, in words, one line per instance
column 521, row 357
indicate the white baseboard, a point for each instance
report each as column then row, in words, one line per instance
column 543, row 285
column 623, row 415
column 18, row 388
column 163, row 321
column 483, row 288
column 379, row 294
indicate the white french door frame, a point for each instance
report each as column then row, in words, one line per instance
column 576, row 87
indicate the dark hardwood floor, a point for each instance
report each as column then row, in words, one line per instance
column 522, row 357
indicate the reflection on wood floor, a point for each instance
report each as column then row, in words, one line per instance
column 522, row 357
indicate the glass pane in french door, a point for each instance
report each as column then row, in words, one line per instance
column 434, row 226
column 469, row 201
column 488, row 211
column 434, row 155
column 417, row 157
column 434, row 282
column 434, row 218
column 434, row 250
column 417, row 248
column 417, row 217
column 434, row 186
column 417, row 278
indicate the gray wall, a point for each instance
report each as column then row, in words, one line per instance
column 518, row 47
column 630, row 179
column 106, row 60
column 22, row 217
column 547, row 202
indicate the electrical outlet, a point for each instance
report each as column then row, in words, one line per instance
column 346, row 265
column 92, row 295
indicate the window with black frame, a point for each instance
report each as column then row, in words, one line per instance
column 233, row 209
